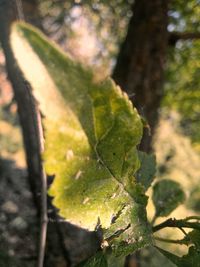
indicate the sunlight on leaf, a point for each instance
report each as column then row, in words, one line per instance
column 91, row 134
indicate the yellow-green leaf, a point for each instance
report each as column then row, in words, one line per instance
column 91, row 134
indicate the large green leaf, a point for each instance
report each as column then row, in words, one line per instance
column 91, row 134
column 167, row 196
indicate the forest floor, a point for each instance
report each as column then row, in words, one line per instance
column 176, row 159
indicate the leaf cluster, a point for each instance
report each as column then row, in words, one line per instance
column 92, row 132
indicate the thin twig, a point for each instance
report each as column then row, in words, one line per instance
column 183, row 231
column 197, row 218
column 166, row 240
column 43, row 199
column 176, row 224
column 43, row 222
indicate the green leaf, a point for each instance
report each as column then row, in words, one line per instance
column 192, row 259
column 194, row 199
column 91, row 134
column 193, row 237
column 103, row 259
column 98, row 260
column 147, row 171
column 167, row 195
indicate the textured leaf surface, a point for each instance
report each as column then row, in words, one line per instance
column 147, row 171
column 99, row 260
column 91, row 133
column 167, row 196
column 102, row 259
column 192, row 259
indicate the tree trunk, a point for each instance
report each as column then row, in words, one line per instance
column 140, row 63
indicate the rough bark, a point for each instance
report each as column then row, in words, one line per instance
column 140, row 64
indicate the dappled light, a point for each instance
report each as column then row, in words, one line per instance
column 99, row 133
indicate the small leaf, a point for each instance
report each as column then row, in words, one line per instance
column 98, row 260
column 193, row 237
column 167, row 195
column 192, row 259
column 146, row 173
column 194, row 199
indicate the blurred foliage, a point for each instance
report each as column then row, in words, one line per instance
column 108, row 21
column 184, row 15
column 183, row 86
column 194, row 199
column 183, row 67
column 167, row 196
column 8, row 261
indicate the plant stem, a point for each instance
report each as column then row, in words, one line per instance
column 43, row 221
column 197, row 218
column 154, row 219
column 176, row 223
column 180, row 242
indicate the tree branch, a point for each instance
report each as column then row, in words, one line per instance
column 176, row 36
column 171, row 241
column 176, row 224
